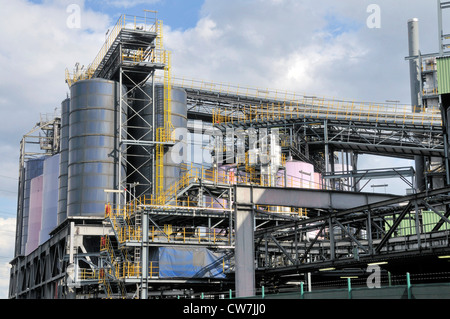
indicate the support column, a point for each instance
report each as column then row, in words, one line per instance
column 244, row 252
column 144, row 255
column 327, row 152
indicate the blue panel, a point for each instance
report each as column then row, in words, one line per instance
column 183, row 262
column 33, row 168
column 50, row 197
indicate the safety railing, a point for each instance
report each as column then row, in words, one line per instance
column 295, row 100
column 326, row 109
column 292, row 99
column 302, row 212
column 88, row 274
column 175, row 234
column 192, row 174
column 291, row 105
column 131, row 270
column 125, row 22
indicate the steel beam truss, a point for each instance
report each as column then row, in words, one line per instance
column 43, row 139
column 63, row 267
column 391, row 231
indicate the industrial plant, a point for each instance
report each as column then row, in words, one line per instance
column 150, row 186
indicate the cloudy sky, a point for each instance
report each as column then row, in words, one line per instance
column 322, row 47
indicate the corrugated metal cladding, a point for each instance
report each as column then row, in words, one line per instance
column 443, row 73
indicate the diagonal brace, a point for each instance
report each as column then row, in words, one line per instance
column 282, row 249
column 351, row 236
column 394, row 227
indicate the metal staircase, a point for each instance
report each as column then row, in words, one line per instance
column 110, row 273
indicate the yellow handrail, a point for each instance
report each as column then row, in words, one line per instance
column 125, row 22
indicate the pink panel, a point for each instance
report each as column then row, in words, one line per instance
column 35, row 214
column 301, row 174
column 317, row 181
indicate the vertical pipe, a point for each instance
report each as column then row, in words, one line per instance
column 349, row 286
column 440, row 33
column 417, row 224
column 408, row 283
column 446, row 139
column 118, row 167
column 332, row 251
column 153, row 135
column 354, row 162
column 296, row 243
column 302, row 292
column 414, row 66
column 369, row 231
column 327, row 151
column 72, row 230
column 144, row 255
column 416, row 90
column 309, row 282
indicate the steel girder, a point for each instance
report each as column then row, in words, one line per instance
column 364, row 136
column 359, row 235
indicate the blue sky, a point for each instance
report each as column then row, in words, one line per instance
column 177, row 14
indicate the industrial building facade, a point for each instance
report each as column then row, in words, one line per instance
column 149, row 186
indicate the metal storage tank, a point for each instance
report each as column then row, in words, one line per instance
column 49, row 197
column 35, row 214
column 140, row 123
column 93, row 146
column 64, row 160
column 33, row 168
column 176, row 155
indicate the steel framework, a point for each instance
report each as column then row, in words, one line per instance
column 288, row 229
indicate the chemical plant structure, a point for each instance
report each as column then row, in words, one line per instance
column 151, row 186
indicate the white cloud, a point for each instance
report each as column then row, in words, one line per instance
column 325, row 49
column 37, row 46
column 4, row 279
column 8, row 229
column 7, row 237
column 129, row 3
column 321, row 48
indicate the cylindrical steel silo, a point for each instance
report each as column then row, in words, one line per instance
column 93, row 146
column 64, row 161
column 177, row 154
column 49, row 197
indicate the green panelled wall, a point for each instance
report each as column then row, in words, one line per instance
column 443, row 75
column 408, row 226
